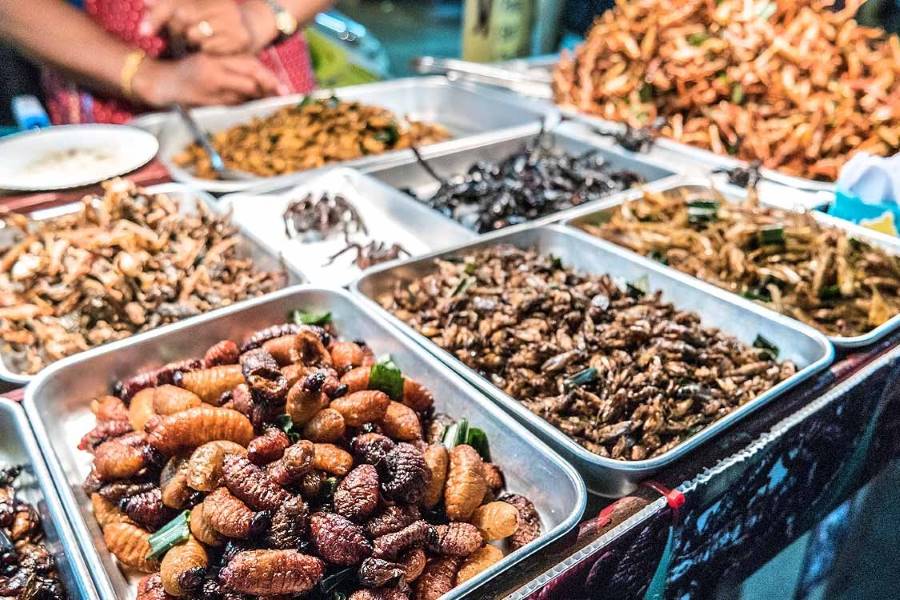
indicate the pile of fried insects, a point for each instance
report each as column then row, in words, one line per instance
column 295, row 463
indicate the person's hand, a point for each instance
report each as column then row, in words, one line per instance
column 221, row 27
column 202, row 80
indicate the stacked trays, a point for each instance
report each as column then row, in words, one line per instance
column 57, row 404
column 34, row 485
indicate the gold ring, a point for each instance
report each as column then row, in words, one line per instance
column 205, row 29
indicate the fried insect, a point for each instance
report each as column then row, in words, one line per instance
column 465, row 485
column 496, row 520
column 413, row 561
column 391, row 545
column 356, row 497
column 326, row 426
column 346, row 355
column 266, row 382
column 272, row 572
column 127, row 388
column 122, row 457
column 362, row 407
column 356, row 379
column 183, row 568
column 289, row 524
column 222, row 353
column 405, row 474
column 438, row 460
column 400, row 422
column 437, row 579
column 196, row 426
column 107, row 512
column 416, row 396
column 231, row 517
column 147, row 509
column 394, row 518
column 296, row 462
column 103, row 432
column 478, row 561
column 304, row 400
column 251, row 484
column 151, row 588
column 141, row 410
column 371, row 448
column 529, row 521
column 109, row 408
column 212, row 382
column 338, row 540
column 173, row 483
column 281, row 349
column 268, row 447
column 169, row 399
column 455, row 539
column 204, row 468
column 269, row 333
column 130, row 544
column 202, row 529
column 375, row 572
column 331, row 459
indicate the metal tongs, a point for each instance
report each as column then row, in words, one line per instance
column 215, row 159
column 531, row 84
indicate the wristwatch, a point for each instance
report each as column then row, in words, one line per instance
column 285, row 22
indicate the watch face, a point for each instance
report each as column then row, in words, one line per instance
column 285, row 22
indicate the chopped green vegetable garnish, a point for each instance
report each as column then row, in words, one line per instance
column 771, row 234
column 830, row 292
column 646, row 93
column 307, row 100
column 702, row 211
column 464, row 284
column 386, row 376
column 335, row 579
column 302, row 317
column 328, row 487
column 639, row 287
column 768, row 347
column 696, row 39
column 757, row 295
column 737, row 93
column 470, row 268
column 455, row 434
column 478, row 439
column 389, row 135
column 659, row 257
column 556, row 262
column 286, row 424
column 171, row 534
column 582, row 377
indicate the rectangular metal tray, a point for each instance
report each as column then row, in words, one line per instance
column 390, row 216
column 605, row 476
column 572, row 138
column 188, row 197
column 18, row 447
column 707, row 157
column 466, row 109
column 57, row 404
column 735, row 194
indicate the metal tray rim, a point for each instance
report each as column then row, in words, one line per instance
column 59, row 480
column 873, row 238
column 57, row 514
column 8, row 375
column 707, row 158
column 551, row 432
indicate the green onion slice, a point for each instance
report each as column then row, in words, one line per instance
column 176, row 531
column 386, row 376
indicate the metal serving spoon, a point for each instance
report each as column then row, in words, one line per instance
column 215, row 159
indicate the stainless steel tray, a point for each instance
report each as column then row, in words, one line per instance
column 806, row 347
column 466, row 109
column 390, row 217
column 188, row 198
column 57, row 404
column 572, row 138
column 735, row 194
column 707, row 157
column 18, row 447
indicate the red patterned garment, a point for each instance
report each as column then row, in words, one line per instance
column 69, row 103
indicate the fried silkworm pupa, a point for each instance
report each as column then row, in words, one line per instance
column 174, row 484
column 170, row 399
column 141, row 410
column 438, row 460
column 356, row 497
column 272, row 572
column 197, row 426
column 496, row 520
column 122, row 489
column 305, row 399
column 362, row 407
column 103, row 432
column 309, row 349
column 268, row 447
column 394, row 518
column 346, row 355
column 416, row 396
column 477, row 562
column 381, row 593
column 294, row 373
column 130, row 544
column 147, row 509
column 122, row 457
column 356, row 379
column 183, row 568
column 211, row 383
column 455, row 539
column 251, row 484
column 202, row 529
column 331, row 459
column 413, row 561
column 391, row 545
column 371, row 448
column 288, row 524
column 404, row 474
column 107, row 512
column 269, row 333
column 375, row 572
column 437, row 578
column 222, row 353
column 204, row 468
column 338, row 540
column 231, row 517
column 327, row 425
column 127, row 388
column 466, row 485
column 266, row 382
column 296, row 462
column 529, row 521
column 151, row 588
column 109, row 408
column 401, row 423
column 281, row 349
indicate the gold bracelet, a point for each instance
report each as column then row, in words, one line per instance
column 129, row 70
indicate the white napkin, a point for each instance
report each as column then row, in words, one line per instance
column 872, row 179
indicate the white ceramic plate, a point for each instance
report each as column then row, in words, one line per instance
column 71, row 156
